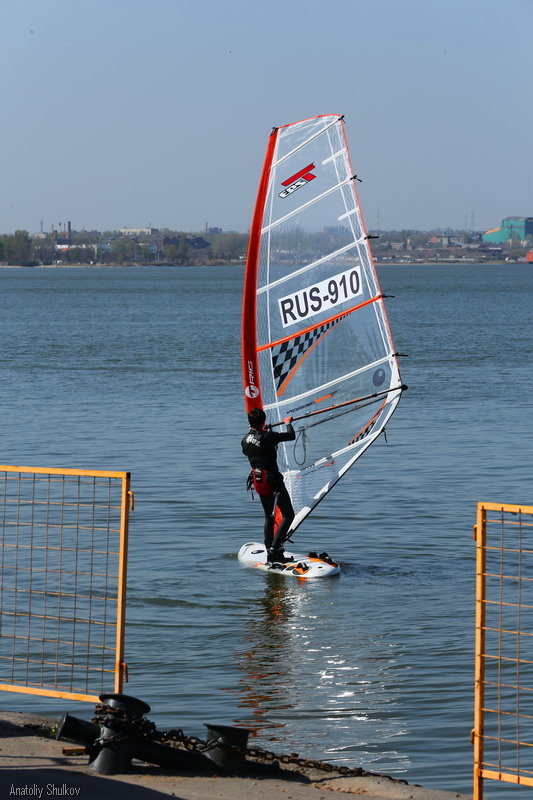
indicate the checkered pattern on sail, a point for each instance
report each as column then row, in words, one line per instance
column 286, row 355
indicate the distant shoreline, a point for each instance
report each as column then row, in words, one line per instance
column 441, row 263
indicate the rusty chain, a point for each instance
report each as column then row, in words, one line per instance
column 174, row 736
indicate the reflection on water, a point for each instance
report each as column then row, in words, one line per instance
column 265, row 683
column 307, row 685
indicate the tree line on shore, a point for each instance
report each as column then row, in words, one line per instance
column 179, row 248
column 167, row 247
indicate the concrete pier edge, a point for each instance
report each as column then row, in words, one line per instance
column 34, row 764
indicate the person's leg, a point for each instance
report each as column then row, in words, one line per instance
column 268, row 507
column 287, row 516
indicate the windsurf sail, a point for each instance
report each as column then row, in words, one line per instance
column 316, row 342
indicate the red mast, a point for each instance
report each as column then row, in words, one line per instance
column 250, row 367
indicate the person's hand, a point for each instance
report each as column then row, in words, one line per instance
column 287, row 420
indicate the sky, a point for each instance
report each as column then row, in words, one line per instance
column 129, row 113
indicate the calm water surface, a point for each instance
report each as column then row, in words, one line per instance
column 138, row 369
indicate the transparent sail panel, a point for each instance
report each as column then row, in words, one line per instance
column 309, row 480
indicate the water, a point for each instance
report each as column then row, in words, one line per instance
column 138, row 369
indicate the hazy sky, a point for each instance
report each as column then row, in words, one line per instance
column 135, row 112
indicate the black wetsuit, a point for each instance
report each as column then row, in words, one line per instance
column 260, row 447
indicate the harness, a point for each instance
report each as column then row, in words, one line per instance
column 260, row 480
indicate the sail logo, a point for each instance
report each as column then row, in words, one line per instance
column 296, row 181
column 251, row 390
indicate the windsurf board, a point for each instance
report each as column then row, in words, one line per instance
column 298, row 565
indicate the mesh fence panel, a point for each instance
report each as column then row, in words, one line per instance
column 503, row 727
column 63, row 540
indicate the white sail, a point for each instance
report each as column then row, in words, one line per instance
column 316, row 339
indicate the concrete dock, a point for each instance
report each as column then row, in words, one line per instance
column 34, row 764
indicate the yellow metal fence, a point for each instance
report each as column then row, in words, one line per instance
column 503, row 718
column 63, row 555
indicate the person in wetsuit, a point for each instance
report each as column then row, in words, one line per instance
column 260, row 446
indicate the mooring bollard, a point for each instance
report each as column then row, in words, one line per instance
column 226, row 746
column 117, row 718
column 119, row 732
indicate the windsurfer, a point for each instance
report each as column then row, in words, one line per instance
column 260, row 445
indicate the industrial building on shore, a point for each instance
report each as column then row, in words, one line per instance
column 512, row 229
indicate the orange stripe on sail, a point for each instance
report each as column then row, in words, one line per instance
column 369, row 423
column 293, row 370
column 326, row 397
column 318, row 325
column 298, row 365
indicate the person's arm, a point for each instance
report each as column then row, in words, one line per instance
column 289, row 435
